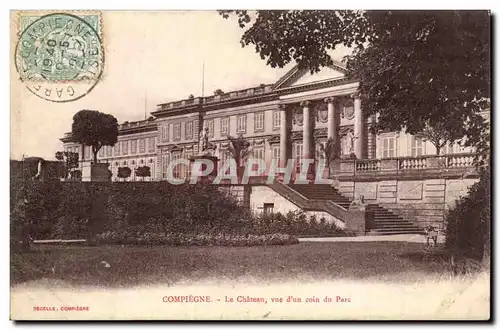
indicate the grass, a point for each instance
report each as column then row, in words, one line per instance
column 139, row 265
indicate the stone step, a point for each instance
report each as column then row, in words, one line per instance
column 393, row 225
column 375, row 233
column 381, row 230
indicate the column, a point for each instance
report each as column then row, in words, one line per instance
column 359, row 142
column 306, row 133
column 332, row 120
column 283, row 135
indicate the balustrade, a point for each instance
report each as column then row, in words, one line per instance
column 368, row 165
column 404, row 164
column 412, row 163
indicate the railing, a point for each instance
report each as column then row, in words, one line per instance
column 366, row 165
column 454, row 161
column 407, row 164
column 309, row 204
column 412, row 163
column 216, row 98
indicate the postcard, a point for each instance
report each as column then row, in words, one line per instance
column 250, row 165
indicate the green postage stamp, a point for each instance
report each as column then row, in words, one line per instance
column 60, row 56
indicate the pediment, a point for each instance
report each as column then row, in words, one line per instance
column 274, row 139
column 320, row 133
column 296, row 77
column 297, row 136
column 176, row 148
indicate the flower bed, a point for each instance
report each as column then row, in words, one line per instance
column 180, row 239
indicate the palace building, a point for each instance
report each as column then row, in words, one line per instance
column 289, row 120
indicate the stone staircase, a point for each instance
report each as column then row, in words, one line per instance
column 381, row 221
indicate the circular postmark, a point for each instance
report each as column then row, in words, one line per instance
column 59, row 56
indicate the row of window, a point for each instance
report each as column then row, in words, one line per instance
column 241, row 126
column 133, row 165
column 388, row 147
column 132, row 147
column 179, row 171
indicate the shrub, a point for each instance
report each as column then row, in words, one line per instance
column 97, row 207
column 468, row 223
column 295, row 223
column 135, row 236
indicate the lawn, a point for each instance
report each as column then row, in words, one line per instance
column 307, row 261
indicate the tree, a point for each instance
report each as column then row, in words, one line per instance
column 330, row 152
column 413, row 67
column 143, row 171
column 239, row 149
column 69, row 161
column 438, row 136
column 76, row 175
column 124, row 172
column 95, row 129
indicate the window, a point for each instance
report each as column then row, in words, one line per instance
column 451, row 149
column 297, row 154
column 164, row 132
column 388, row 147
column 151, row 144
column 109, row 151
column 133, row 147
column 276, row 155
column 178, row 168
column 116, row 149
column 101, row 152
column 241, row 124
column 258, row 121
column 189, row 130
column 268, row 208
column 319, row 154
column 177, row 131
column 164, row 161
column 87, row 152
column 152, row 167
column 224, row 126
column 188, row 155
column 276, row 119
column 125, row 147
column 210, row 125
column 224, row 155
column 258, row 153
column 416, row 146
column 142, row 146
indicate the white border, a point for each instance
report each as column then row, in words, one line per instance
column 181, row 5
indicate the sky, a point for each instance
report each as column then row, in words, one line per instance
column 151, row 57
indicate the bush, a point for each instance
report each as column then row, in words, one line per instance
column 136, row 236
column 83, row 209
column 468, row 223
column 295, row 223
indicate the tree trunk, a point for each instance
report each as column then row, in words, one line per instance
column 95, row 151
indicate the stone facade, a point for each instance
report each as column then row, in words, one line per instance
column 421, row 190
column 136, row 147
column 285, row 120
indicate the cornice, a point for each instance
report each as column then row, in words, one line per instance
column 312, row 86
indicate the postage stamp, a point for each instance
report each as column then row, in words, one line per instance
column 271, row 165
column 59, row 56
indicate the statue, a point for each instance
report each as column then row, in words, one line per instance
column 39, row 172
column 350, row 142
column 203, row 142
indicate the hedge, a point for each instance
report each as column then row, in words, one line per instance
column 74, row 210
column 129, row 237
column 468, row 222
